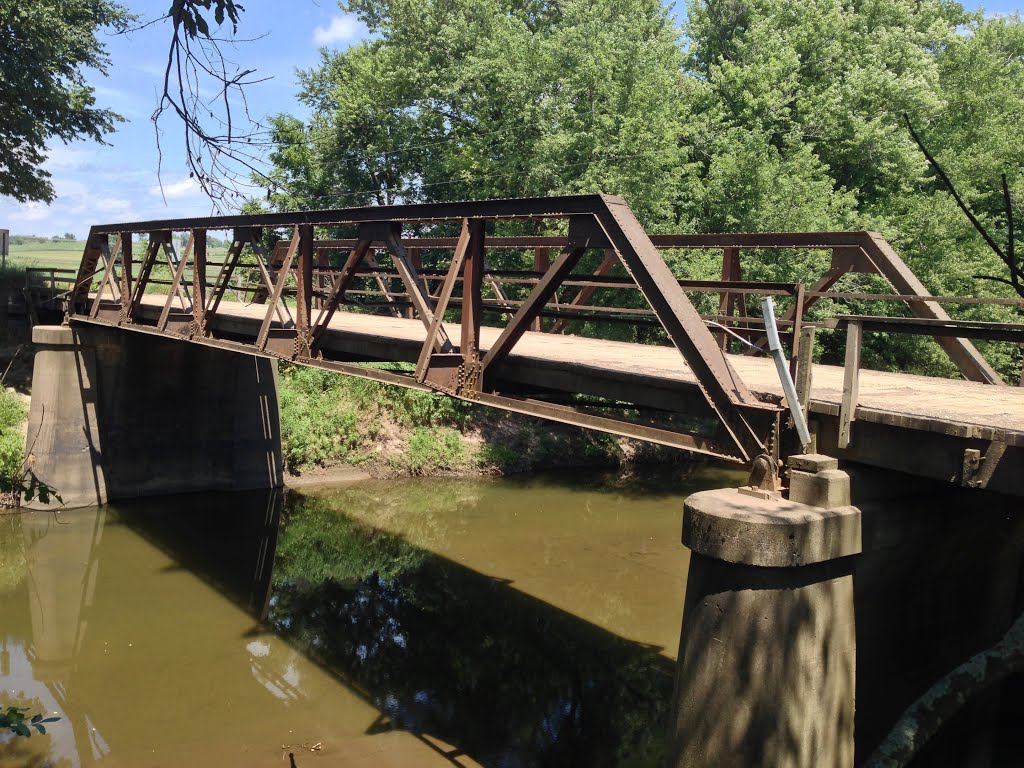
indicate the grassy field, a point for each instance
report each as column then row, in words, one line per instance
column 65, row 254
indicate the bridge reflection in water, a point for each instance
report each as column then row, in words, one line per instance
column 451, row 622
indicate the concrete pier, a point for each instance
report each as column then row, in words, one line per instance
column 766, row 668
column 119, row 415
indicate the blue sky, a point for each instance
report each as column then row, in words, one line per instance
column 107, row 184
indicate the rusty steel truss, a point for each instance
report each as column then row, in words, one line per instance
column 300, row 293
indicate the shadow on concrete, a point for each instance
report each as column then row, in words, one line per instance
column 939, row 581
column 766, row 649
column 118, row 414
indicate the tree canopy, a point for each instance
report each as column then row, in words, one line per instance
column 755, row 115
column 44, row 47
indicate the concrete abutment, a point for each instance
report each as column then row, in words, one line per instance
column 117, row 414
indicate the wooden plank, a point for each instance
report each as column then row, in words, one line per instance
column 851, row 383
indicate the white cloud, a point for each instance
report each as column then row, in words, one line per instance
column 340, row 29
column 29, row 212
column 63, row 158
column 177, row 190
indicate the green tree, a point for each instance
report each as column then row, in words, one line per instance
column 45, row 46
column 507, row 99
column 764, row 115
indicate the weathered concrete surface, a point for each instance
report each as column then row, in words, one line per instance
column 766, row 667
column 767, row 656
column 118, row 415
column 767, row 651
column 770, row 533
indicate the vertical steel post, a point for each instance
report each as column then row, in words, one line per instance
column 126, row 275
column 304, row 290
column 199, row 282
column 472, row 279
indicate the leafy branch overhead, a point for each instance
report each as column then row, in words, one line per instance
column 187, row 12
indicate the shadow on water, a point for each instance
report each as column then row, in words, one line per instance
column 439, row 649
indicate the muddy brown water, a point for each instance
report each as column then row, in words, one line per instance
column 511, row 622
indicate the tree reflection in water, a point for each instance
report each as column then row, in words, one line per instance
column 443, row 650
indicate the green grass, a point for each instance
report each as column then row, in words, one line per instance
column 318, row 425
column 327, row 419
column 433, row 449
column 12, row 414
column 64, row 254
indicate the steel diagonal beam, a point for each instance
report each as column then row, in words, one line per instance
column 173, row 262
column 176, row 285
column 528, row 311
column 283, row 314
column 337, row 295
column 145, row 270
column 227, row 269
column 275, row 298
column 968, row 359
column 414, row 286
column 87, row 269
column 108, row 273
column 581, row 298
column 741, row 413
column 844, row 260
column 371, row 262
column 442, row 303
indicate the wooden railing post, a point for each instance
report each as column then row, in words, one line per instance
column 851, row 383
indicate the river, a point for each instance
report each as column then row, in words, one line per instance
column 495, row 622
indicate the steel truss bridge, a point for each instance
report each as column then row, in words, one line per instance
column 419, row 280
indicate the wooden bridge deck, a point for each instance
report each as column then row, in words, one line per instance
column 894, row 409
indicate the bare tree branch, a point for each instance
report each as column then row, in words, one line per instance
column 1008, row 256
column 205, row 90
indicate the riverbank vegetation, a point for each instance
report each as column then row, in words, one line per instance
column 328, row 419
column 12, row 416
